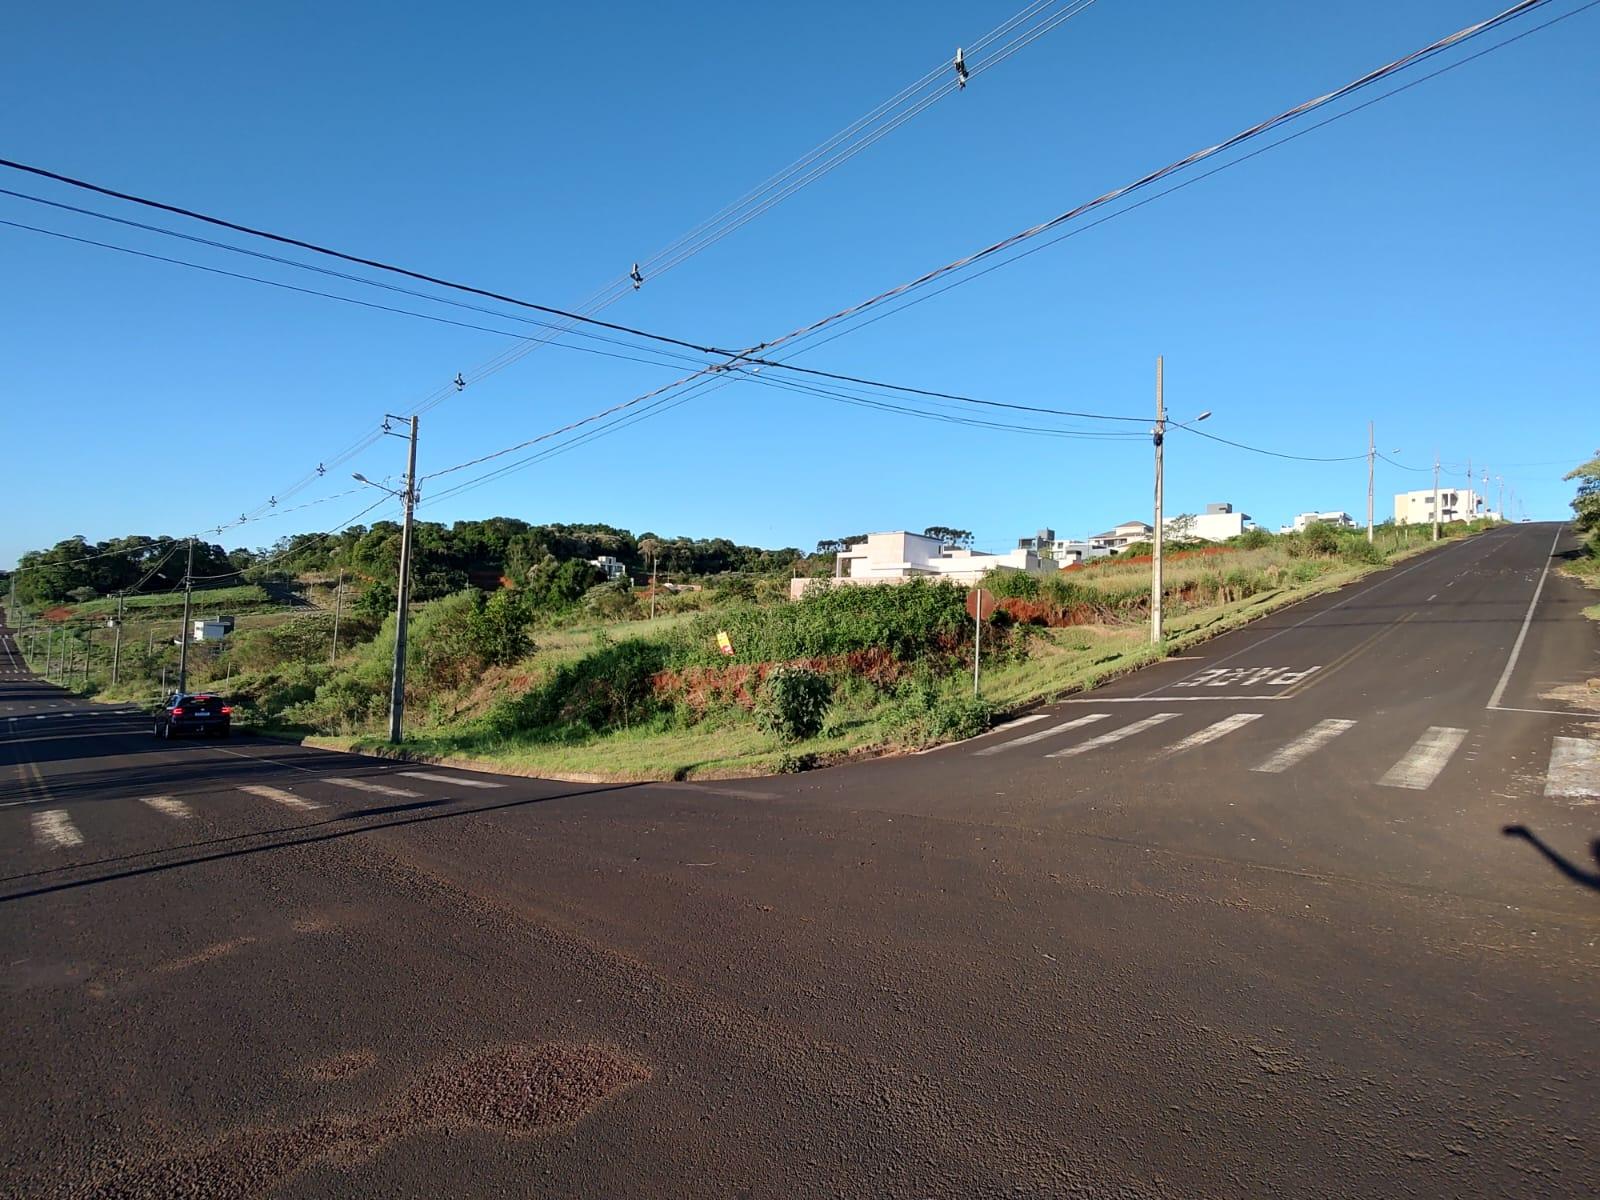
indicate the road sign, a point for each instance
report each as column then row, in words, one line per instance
column 724, row 642
column 980, row 597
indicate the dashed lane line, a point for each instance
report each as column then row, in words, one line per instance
column 1030, row 738
column 1116, row 735
column 279, row 796
column 168, row 806
column 451, row 779
column 54, row 828
column 366, row 785
column 1422, row 763
column 1213, row 731
column 1307, row 743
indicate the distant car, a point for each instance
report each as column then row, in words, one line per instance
column 197, row 712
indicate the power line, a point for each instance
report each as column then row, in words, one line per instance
column 1270, row 453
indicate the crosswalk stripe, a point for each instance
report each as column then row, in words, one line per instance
column 1311, row 740
column 54, row 828
column 279, row 795
column 1212, row 732
column 366, row 785
column 452, row 779
column 167, row 806
column 1422, row 763
column 1116, row 735
column 1043, row 733
column 1574, row 771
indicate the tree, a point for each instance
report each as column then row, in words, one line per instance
column 1586, row 504
column 949, row 536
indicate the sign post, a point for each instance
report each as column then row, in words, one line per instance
column 980, row 606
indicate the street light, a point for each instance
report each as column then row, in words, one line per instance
column 1158, row 436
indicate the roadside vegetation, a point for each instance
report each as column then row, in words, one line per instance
column 1585, row 566
column 524, row 654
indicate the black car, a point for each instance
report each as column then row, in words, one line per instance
column 198, row 712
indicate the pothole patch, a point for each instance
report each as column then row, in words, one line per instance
column 517, row 1091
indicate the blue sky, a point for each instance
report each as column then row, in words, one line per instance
column 1428, row 263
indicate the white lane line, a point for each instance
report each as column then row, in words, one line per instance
column 54, row 828
column 431, row 778
column 366, row 785
column 1574, row 772
column 1311, row 740
column 279, row 795
column 1116, row 735
column 1028, row 739
column 1212, row 732
column 167, row 806
column 1527, row 619
column 1422, row 763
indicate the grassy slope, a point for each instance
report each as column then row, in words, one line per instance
column 1062, row 661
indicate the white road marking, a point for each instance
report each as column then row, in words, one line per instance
column 1212, row 732
column 366, row 785
column 1522, row 634
column 1027, row 739
column 167, row 806
column 279, row 795
column 1422, row 763
column 1311, row 740
column 1574, row 771
column 477, row 783
column 54, row 828
column 1116, row 735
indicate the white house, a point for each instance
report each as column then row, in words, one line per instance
column 1062, row 551
column 1112, row 541
column 1416, row 508
column 1217, row 524
column 897, row 556
column 613, row 568
column 1340, row 520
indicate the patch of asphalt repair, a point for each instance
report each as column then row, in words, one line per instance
column 517, row 1091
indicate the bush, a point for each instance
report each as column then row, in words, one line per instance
column 1253, row 539
column 928, row 710
column 1359, row 550
column 793, row 703
column 608, row 688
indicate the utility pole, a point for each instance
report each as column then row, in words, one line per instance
column 1372, row 458
column 1436, row 495
column 88, row 653
column 397, row 693
column 1466, row 499
column 188, row 599
column 1501, row 480
column 655, row 564
column 1158, row 435
column 116, row 645
column 338, row 604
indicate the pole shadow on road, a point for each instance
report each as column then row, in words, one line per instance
column 283, row 842
column 1588, row 879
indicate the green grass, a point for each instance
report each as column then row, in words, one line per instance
column 228, row 600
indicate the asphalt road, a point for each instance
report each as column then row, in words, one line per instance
column 1244, row 923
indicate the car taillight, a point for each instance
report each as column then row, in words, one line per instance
column 227, row 710
column 177, row 712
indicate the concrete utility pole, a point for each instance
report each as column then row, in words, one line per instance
column 1436, row 495
column 338, row 604
column 1466, row 497
column 397, row 692
column 1501, row 480
column 655, row 564
column 1158, row 435
column 88, row 652
column 116, row 645
column 183, row 645
column 1372, row 458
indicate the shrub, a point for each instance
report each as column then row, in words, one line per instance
column 608, row 688
column 1253, row 539
column 1359, row 550
column 926, row 710
column 793, row 703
